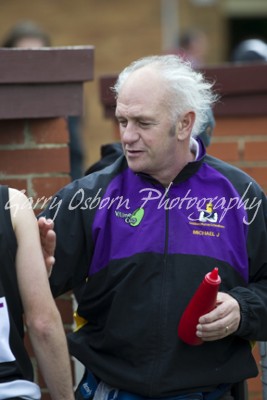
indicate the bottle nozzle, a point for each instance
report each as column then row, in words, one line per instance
column 214, row 274
column 213, row 277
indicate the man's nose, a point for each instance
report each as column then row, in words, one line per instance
column 130, row 133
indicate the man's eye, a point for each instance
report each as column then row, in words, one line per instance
column 144, row 124
column 123, row 123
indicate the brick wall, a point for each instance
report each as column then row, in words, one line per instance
column 255, row 387
column 34, row 155
column 242, row 141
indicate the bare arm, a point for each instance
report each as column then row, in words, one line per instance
column 41, row 314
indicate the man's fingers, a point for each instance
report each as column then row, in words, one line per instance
column 220, row 322
column 45, row 225
column 50, row 261
column 48, row 242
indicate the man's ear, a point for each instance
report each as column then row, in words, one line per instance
column 185, row 125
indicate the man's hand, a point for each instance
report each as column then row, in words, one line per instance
column 220, row 322
column 48, row 242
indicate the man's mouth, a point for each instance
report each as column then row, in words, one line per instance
column 132, row 154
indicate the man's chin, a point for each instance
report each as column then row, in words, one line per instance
column 134, row 166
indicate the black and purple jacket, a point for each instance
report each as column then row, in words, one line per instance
column 143, row 250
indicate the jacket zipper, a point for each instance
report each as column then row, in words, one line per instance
column 163, row 308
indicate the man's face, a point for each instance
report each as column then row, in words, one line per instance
column 146, row 127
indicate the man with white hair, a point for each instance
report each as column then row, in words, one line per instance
column 133, row 233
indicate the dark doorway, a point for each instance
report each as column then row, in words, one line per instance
column 246, row 28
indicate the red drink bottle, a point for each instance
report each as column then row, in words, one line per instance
column 203, row 301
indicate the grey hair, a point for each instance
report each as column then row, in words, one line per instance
column 189, row 90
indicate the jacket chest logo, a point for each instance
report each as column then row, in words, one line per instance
column 132, row 219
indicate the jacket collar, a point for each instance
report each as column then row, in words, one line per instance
column 198, row 148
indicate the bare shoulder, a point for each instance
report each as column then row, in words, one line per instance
column 17, row 196
column 20, row 208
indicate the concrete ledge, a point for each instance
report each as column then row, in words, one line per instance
column 45, row 82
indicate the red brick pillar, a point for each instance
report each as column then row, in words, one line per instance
column 240, row 135
column 34, row 156
column 38, row 90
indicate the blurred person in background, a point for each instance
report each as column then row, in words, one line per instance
column 193, row 46
column 26, row 34
column 29, row 35
column 250, row 50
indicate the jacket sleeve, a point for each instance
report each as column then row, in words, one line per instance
column 73, row 242
column 253, row 298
